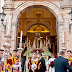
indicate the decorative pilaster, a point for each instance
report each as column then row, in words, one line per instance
column 7, row 46
column 13, row 34
column 8, row 23
column 61, row 36
column 8, row 3
column 2, row 37
column 66, row 29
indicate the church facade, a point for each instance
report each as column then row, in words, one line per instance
column 50, row 18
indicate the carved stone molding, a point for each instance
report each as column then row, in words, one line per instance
column 7, row 46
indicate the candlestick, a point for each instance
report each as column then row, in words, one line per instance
column 21, row 39
column 46, row 38
column 27, row 39
column 44, row 42
column 29, row 42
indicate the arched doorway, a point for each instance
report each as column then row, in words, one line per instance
column 42, row 36
column 38, row 20
column 45, row 5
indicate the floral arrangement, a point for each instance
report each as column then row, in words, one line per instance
column 47, row 53
column 27, row 53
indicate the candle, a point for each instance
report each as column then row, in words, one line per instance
column 48, row 41
column 21, row 39
column 46, row 38
column 27, row 39
column 29, row 42
column 44, row 42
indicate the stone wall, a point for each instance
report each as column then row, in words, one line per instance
column 13, row 10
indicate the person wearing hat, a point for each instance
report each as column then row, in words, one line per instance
column 15, row 61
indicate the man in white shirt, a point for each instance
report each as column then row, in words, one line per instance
column 50, row 63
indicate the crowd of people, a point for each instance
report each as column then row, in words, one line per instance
column 63, row 63
column 11, row 64
column 60, row 64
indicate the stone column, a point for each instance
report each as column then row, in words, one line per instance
column 2, row 32
column 13, row 34
column 65, row 2
column 60, row 35
column 66, row 29
column 71, row 39
column 8, row 3
column 7, row 22
column 2, row 37
column 8, row 18
column 7, row 46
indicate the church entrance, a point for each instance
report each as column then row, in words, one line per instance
column 37, row 30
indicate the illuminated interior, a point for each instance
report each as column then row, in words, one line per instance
column 34, row 20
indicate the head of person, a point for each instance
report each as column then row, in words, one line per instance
column 10, row 55
column 34, row 55
column 71, row 54
column 18, row 54
column 68, row 53
column 15, row 52
column 62, row 53
column 39, row 55
column 52, row 55
column 2, row 51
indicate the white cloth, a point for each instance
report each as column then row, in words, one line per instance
column 34, row 59
column 20, row 67
column 48, row 63
column 2, row 59
column 34, row 66
column 16, row 66
column 0, row 62
column 9, row 71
